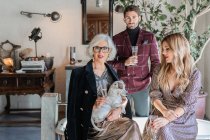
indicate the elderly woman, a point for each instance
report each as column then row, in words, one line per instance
column 84, row 96
column 174, row 89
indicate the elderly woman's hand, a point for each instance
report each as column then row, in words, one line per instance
column 99, row 102
column 114, row 114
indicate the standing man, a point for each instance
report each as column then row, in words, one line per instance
column 135, row 70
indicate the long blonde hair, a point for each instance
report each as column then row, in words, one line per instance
column 182, row 63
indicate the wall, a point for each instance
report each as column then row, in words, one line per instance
column 206, row 73
column 56, row 37
column 202, row 23
column 118, row 23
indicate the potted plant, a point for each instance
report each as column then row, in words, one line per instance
column 162, row 18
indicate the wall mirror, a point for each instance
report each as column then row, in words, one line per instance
column 97, row 17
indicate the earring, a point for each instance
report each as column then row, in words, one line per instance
column 108, row 56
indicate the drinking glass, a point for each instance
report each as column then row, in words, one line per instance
column 134, row 50
column 102, row 92
column 134, row 53
column 72, row 55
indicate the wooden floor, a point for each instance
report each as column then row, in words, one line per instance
column 22, row 125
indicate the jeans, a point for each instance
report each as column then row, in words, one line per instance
column 141, row 102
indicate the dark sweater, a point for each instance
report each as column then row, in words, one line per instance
column 133, row 35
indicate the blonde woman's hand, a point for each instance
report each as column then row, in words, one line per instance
column 170, row 115
column 159, row 122
column 131, row 61
column 114, row 114
column 99, row 102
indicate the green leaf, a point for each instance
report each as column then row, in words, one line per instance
column 159, row 11
column 155, row 31
column 162, row 17
column 180, row 9
column 172, row 8
column 163, row 24
column 191, row 2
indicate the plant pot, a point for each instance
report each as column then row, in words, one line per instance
column 201, row 105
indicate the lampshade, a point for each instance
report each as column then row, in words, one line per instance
column 119, row 9
column 99, row 3
column 54, row 16
column 9, row 64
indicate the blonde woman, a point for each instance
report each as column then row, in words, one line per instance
column 174, row 89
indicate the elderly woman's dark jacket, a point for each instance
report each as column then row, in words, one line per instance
column 81, row 98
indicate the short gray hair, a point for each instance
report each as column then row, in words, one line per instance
column 96, row 40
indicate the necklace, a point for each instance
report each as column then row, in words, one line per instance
column 99, row 69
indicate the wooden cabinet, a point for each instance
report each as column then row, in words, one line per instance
column 21, row 83
column 6, row 83
column 26, row 83
column 97, row 23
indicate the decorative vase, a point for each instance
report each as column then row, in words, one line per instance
column 201, row 105
column 48, row 62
